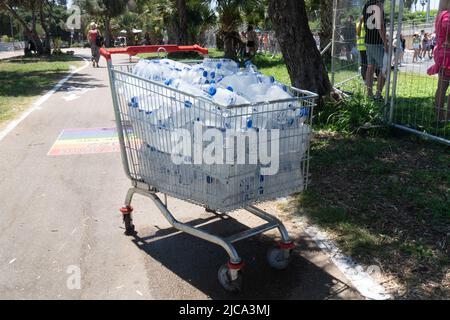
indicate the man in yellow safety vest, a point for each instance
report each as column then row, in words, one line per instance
column 361, row 45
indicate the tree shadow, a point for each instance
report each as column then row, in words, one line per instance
column 384, row 199
column 197, row 262
column 36, row 59
column 83, row 81
column 36, row 83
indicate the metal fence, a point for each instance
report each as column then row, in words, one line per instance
column 415, row 101
column 419, row 102
column 345, row 58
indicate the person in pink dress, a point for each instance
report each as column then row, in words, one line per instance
column 442, row 60
column 93, row 36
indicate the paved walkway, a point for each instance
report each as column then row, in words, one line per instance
column 10, row 54
column 60, row 215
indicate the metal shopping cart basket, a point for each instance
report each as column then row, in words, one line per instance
column 146, row 146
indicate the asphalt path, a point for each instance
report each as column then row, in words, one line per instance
column 60, row 218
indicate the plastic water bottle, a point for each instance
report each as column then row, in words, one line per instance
column 134, row 108
column 239, row 82
column 275, row 92
column 183, row 86
column 250, row 67
column 226, row 97
column 266, row 80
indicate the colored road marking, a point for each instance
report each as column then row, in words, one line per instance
column 86, row 141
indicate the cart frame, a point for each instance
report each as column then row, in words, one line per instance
column 229, row 274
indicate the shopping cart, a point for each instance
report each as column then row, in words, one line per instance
column 146, row 146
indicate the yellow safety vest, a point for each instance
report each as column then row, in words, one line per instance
column 361, row 42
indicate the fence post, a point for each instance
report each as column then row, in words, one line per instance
column 333, row 40
column 397, row 54
column 391, row 49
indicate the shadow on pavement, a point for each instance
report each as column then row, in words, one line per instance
column 197, row 262
column 83, row 81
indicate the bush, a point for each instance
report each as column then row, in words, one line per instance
column 79, row 44
column 5, row 38
column 351, row 114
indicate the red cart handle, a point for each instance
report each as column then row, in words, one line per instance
column 132, row 51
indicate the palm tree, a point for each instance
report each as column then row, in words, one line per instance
column 182, row 22
column 15, row 8
column 230, row 19
column 106, row 10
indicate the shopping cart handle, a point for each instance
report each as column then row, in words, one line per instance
column 132, row 51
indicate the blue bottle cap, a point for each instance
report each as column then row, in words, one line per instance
column 188, row 104
column 212, row 91
column 272, row 79
column 219, row 65
column 213, row 75
column 230, row 88
column 205, row 73
column 249, row 123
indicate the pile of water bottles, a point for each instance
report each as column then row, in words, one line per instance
column 220, row 82
column 218, row 94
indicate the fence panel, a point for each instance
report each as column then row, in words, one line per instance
column 346, row 68
column 419, row 102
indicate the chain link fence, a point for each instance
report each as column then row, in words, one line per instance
column 415, row 100
column 419, row 103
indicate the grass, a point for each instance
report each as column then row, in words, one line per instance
column 414, row 103
column 387, row 202
column 23, row 79
column 386, row 199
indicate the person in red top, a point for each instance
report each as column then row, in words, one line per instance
column 442, row 60
column 93, row 34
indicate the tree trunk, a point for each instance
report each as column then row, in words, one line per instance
column 108, row 32
column 172, row 30
column 229, row 49
column 182, row 22
column 304, row 63
column 48, row 47
column 30, row 32
column 326, row 25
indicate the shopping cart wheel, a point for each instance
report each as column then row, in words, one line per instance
column 128, row 220
column 129, row 226
column 225, row 278
column 278, row 257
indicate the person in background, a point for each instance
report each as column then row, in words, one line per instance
column 274, row 45
column 421, row 35
column 402, row 49
column 416, row 47
column 376, row 44
column 95, row 43
column 242, row 45
column 265, row 40
column 252, row 41
column 349, row 35
column 432, row 44
column 361, row 45
column 442, row 61
column 425, row 45
column 147, row 40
